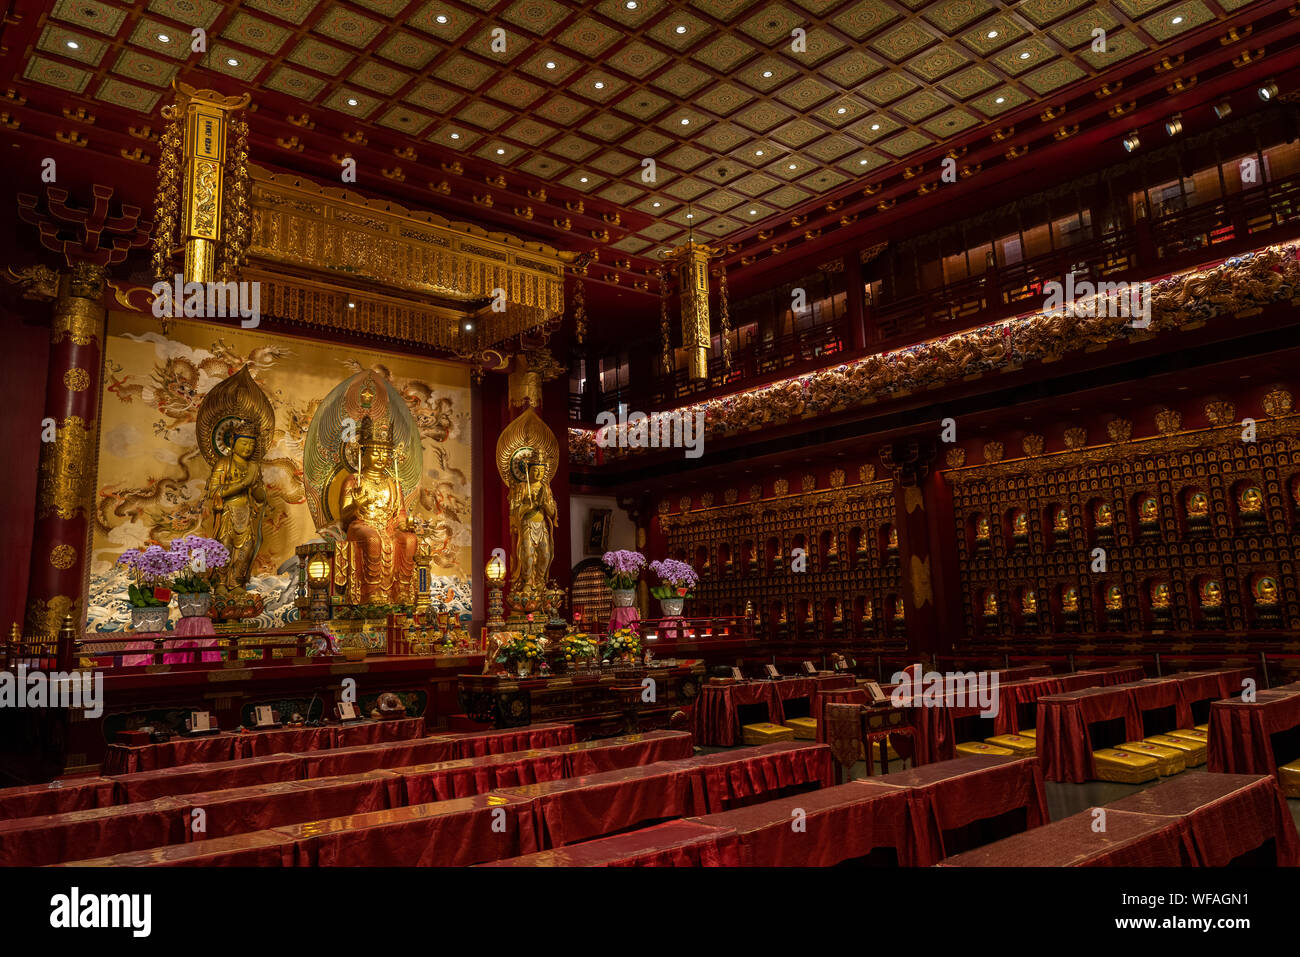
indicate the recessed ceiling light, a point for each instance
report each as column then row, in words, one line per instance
column 685, row 121
column 1176, row 21
column 680, row 29
column 842, row 110
column 232, row 61
column 74, row 45
column 1000, row 100
column 792, row 166
column 1025, row 55
column 758, row 152
column 690, row 215
column 164, row 38
column 455, row 136
column 582, row 179
column 500, row 152
column 352, row 101
column 875, row 126
column 550, row 64
column 862, row 162
column 441, row 18
column 656, row 205
column 631, row 4
column 352, row 305
column 767, row 73
column 992, row 34
column 753, row 212
column 599, row 85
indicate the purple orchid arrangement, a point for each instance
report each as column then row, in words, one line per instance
column 198, row 556
column 623, row 568
column 153, row 566
column 676, row 579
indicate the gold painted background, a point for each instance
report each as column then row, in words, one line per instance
column 151, row 475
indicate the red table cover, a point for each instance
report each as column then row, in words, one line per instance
column 470, row 744
column 189, row 778
column 854, row 695
column 952, row 794
column 1240, row 731
column 839, row 823
column 684, row 843
column 719, row 780
column 1222, row 815
column 1129, row 840
column 239, row 810
column 456, row 833
column 258, row 849
column 1063, row 739
column 371, row 757
column 96, row 832
column 1150, row 694
column 55, row 797
column 625, row 751
column 129, row 758
column 935, row 731
column 714, row 720
column 296, row 740
column 577, row 809
column 465, row 777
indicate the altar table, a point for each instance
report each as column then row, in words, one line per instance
column 456, row 833
column 1129, row 840
column 954, row 794
column 95, row 832
column 715, row 718
column 469, row 744
column 465, row 777
column 128, row 758
column 255, row 849
column 1221, row 816
column 239, row 810
column 841, row 823
column 577, row 809
column 218, row 775
column 607, row 754
column 1064, row 741
column 1241, row 732
column 684, row 843
column 372, row 757
column 55, row 797
column 718, row 781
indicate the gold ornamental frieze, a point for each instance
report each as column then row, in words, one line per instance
column 66, row 466
column 836, row 499
column 335, row 233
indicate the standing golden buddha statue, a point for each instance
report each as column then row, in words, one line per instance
column 527, row 457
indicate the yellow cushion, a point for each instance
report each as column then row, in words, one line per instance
column 1028, row 733
column 1290, row 775
column 1015, row 743
column 967, row 748
column 765, row 732
column 1126, row 767
column 1193, row 751
column 805, row 729
column 1172, row 761
column 1204, row 727
column 1199, row 737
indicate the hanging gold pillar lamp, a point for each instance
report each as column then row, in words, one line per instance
column 691, row 262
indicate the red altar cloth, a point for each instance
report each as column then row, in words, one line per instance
column 621, row 615
column 1130, row 840
column 684, row 843
column 935, row 732
column 454, row 833
column 1222, row 816
column 74, row 794
column 258, row 849
column 1064, row 741
column 239, row 810
column 1240, row 731
column 129, row 758
column 188, row 633
column 471, row 744
column 189, row 778
column 841, row 823
column 1211, row 685
column 953, row 794
column 713, row 718
column 295, row 740
column 577, row 809
column 1152, row 693
column 466, row 777
column 96, row 832
column 852, row 695
column 372, row 757
column 1024, row 673
column 719, row 780
column 608, row 754
column 1115, row 675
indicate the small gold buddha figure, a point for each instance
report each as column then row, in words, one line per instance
column 891, row 544
column 1265, row 592
column 900, row 621
column 751, row 562
column 1070, row 607
column 1148, row 518
column 1211, row 600
column 991, row 604
column 1060, row 527
column 983, row 534
column 1029, row 604
column 1161, row 604
column 1114, row 608
column 833, row 552
column 868, row 611
column 1103, row 524
column 837, row 618
column 1020, row 528
column 1250, row 509
column 783, row 622
column 1197, row 504
column 729, row 566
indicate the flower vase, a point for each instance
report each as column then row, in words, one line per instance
column 194, row 604
column 151, row 618
column 524, row 668
column 672, row 607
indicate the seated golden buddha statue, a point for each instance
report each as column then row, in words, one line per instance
column 1148, row 518
column 1070, row 607
column 1250, row 508
column 1265, row 592
column 1114, row 607
column 380, row 545
column 1060, row 527
column 1211, row 601
column 1020, row 528
column 982, row 533
column 891, row 543
column 729, row 566
column 1161, row 604
column 1103, row 523
column 900, row 618
column 990, row 604
column 868, row 611
column 833, row 552
column 1197, row 504
column 1029, row 604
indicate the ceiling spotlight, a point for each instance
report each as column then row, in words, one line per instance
column 1131, row 142
column 352, row 305
column 1000, row 100
column 631, row 4
column 1176, row 20
column 680, row 29
column 685, row 122
column 841, row 111
column 500, row 152
column 582, row 179
column 550, row 64
column 468, row 326
column 656, row 205
column 690, row 215
column 792, row 166
column 1025, row 55
column 992, row 34
column 1268, row 91
column 599, row 85
column 231, row 61
column 441, row 18
column 1174, row 125
column 753, row 212
column 767, row 73
column 164, row 38
column 1223, row 110
column 455, row 136
column 862, row 162
column 74, row 45
column 758, row 152
column 875, row 126
column 352, row 101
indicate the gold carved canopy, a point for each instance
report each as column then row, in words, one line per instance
column 316, row 250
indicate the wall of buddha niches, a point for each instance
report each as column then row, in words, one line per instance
column 814, row 564
column 1183, row 532
column 151, row 477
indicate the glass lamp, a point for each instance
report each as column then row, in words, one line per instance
column 495, row 572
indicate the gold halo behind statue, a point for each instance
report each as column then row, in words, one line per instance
column 231, row 406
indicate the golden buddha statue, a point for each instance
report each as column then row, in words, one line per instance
column 869, row 610
column 982, row 533
column 990, row 604
column 1020, row 528
column 899, row 613
column 833, row 551
column 1211, row 594
column 532, row 520
column 1148, row 517
column 1197, row 504
column 380, row 544
column 838, row 612
column 1250, row 507
column 1266, row 591
column 234, row 427
column 891, row 543
column 1029, row 604
column 1070, row 600
column 1160, row 595
column 1114, row 599
column 1103, row 523
column 1060, row 520
column 1267, row 612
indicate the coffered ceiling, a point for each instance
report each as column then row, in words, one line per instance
column 748, row 122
